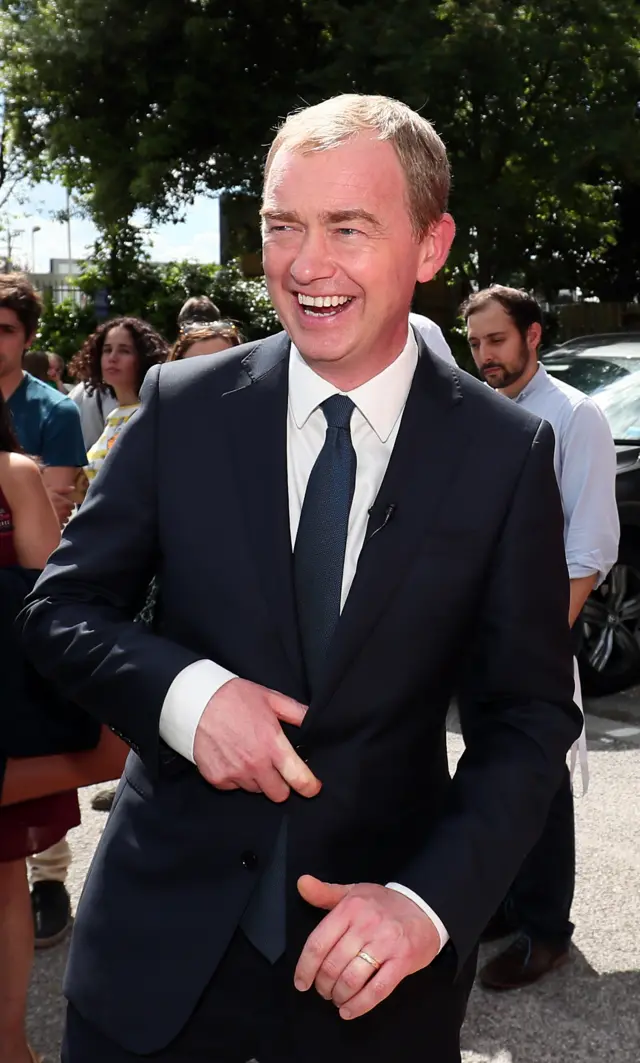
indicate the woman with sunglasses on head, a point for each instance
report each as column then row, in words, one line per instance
column 212, row 338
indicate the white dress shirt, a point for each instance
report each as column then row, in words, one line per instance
column 379, row 405
column 585, row 465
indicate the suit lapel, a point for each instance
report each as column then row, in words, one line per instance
column 256, row 418
column 429, row 449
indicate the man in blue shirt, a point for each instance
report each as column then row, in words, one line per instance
column 47, row 423
column 48, row 427
column 504, row 329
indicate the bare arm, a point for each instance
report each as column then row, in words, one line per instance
column 36, row 526
column 60, row 483
column 579, row 590
column 33, row 777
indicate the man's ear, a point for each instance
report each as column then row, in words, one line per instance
column 435, row 247
column 29, row 340
column 534, row 336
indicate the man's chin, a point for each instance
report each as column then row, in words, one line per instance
column 494, row 380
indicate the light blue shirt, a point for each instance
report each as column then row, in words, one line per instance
column 585, row 465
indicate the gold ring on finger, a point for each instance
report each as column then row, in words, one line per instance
column 368, row 958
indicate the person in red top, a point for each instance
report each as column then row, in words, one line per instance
column 29, row 531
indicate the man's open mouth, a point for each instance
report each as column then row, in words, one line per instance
column 323, row 305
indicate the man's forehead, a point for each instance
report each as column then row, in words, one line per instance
column 364, row 164
column 490, row 318
column 9, row 317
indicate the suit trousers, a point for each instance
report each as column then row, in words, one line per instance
column 250, row 1012
column 539, row 901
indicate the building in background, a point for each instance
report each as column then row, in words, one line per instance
column 56, row 281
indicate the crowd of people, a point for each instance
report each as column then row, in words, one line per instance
column 278, row 667
column 54, row 437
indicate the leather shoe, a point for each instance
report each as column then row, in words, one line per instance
column 524, row 962
column 51, row 908
column 103, row 800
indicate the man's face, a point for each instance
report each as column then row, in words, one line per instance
column 13, row 342
column 340, row 256
column 501, row 354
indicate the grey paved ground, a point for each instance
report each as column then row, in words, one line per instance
column 587, row 1013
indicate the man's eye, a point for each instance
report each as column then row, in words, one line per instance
column 279, row 228
column 349, row 232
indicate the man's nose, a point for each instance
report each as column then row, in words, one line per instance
column 313, row 260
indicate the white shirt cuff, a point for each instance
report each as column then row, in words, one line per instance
column 185, row 702
column 437, row 922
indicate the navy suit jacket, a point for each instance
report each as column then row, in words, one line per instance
column 467, row 584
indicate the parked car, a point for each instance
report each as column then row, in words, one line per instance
column 591, row 362
column 610, row 657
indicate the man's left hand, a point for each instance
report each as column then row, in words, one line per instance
column 368, row 918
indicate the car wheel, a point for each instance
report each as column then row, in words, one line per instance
column 610, row 653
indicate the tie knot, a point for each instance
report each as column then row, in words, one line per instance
column 337, row 411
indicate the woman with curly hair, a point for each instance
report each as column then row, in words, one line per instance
column 117, row 356
column 205, row 339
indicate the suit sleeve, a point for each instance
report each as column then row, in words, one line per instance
column 519, row 684
column 78, row 624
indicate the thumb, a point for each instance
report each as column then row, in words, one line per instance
column 321, row 894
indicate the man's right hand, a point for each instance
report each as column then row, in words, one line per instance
column 240, row 745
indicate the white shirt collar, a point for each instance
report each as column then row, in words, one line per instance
column 537, row 383
column 380, row 400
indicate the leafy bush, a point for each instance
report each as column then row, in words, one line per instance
column 64, row 327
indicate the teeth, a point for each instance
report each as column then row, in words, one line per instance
column 323, row 300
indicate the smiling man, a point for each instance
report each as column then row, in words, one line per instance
column 289, row 873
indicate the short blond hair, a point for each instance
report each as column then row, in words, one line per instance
column 421, row 152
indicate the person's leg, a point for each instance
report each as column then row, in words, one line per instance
column 543, row 891
column 52, row 865
column 50, row 901
column 16, row 957
column 542, row 895
column 504, row 920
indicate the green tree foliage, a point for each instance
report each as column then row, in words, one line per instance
column 121, row 266
column 143, row 104
column 617, row 275
column 64, row 327
column 537, row 103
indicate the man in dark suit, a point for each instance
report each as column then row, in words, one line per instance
column 344, row 528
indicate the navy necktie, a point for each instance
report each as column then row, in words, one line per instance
column 322, row 537
column 318, row 564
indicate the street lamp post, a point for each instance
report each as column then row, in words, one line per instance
column 35, row 229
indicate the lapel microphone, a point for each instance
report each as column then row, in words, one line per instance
column 385, row 513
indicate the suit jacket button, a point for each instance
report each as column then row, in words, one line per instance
column 249, row 860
